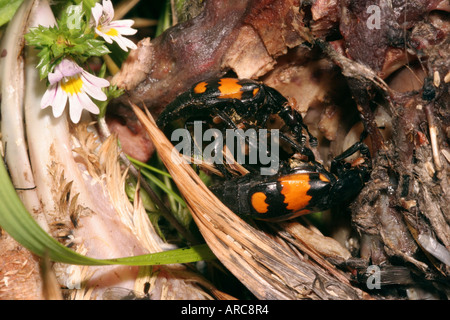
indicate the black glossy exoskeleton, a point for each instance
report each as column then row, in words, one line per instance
column 247, row 98
column 307, row 188
column 304, row 189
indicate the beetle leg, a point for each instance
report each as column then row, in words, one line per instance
column 226, row 118
column 297, row 147
column 179, row 107
column 357, row 146
column 295, row 122
column 336, row 164
column 292, row 118
column 223, row 115
column 217, row 150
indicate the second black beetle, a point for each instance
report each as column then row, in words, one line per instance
column 305, row 189
column 247, row 98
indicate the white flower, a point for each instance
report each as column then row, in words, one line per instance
column 112, row 30
column 69, row 80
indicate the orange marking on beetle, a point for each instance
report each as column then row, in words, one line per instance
column 255, row 91
column 294, row 188
column 200, row 87
column 302, row 212
column 259, row 202
column 230, row 89
column 358, row 162
column 323, row 178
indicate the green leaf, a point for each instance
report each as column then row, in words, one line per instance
column 44, row 65
column 146, row 172
column 18, row 223
column 149, row 167
column 71, row 38
column 74, row 17
column 87, row 4
column 42, row 36
column 96, row 47
column 163, row 187
column 50, row 43
column 165, row 20
column 7, row 10
column 111, row 92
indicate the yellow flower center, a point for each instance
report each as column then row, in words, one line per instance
column 72, row 85
column 111, row 32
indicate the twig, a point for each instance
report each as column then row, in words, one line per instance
column 123, row 8
column 433, row 136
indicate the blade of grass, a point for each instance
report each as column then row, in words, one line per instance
column 18, row 223
column 165, row 20
column 163, row 186
column 7, row 10
column 148, row 167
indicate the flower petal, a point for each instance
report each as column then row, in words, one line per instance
column 104, row 36
column 108, row 10
column 75, row 108
column 124, row 43
column 123, row 24
column 125, row 31
column 59, row 102
column 97, row 12
column 95, row 81
column 49, row 96
column 68, row 68
column 54, row 77
column 94, row 92
column 88, row 104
